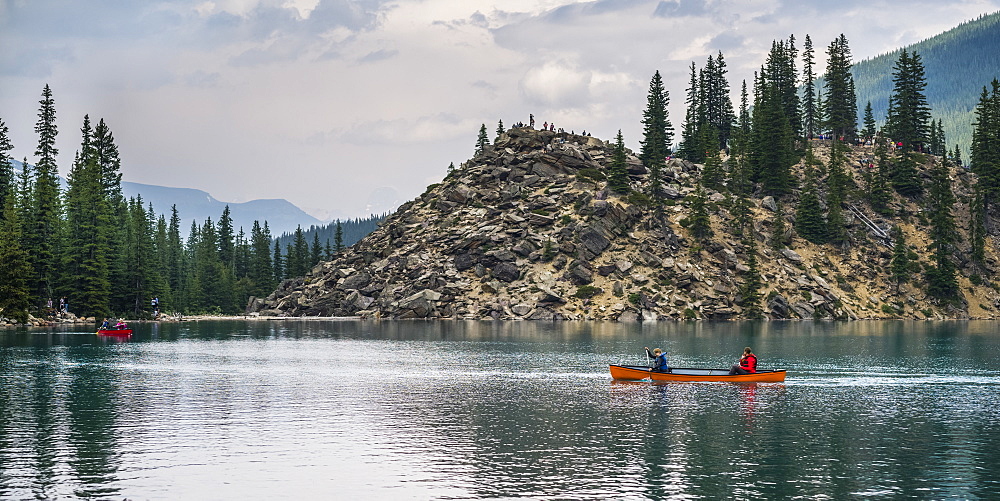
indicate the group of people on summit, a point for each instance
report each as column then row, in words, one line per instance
column 746, row 365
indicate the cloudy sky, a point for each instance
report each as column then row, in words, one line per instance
column 337, row 105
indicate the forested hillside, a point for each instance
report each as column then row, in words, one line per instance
column 958, row 62
column 351, row 230
column 85, row 242
column 778, row 207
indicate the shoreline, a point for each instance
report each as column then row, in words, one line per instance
column 41, row 323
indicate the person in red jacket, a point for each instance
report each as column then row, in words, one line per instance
column 747, row 365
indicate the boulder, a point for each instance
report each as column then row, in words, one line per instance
column 580, row 274
column 465, row 261
column 769, row 204
column 506, row 271
column 356, row 281
column 593, row 241
column 791, row 255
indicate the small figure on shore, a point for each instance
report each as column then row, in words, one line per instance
column 659, row 360
column 747, row 365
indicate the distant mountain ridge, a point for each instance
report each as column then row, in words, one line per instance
column 196, row 205
column 281, row 215
column 957, row 64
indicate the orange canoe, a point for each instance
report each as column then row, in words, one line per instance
column 641, row 372
column 114, row 332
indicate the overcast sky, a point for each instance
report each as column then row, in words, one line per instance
column 338, row 104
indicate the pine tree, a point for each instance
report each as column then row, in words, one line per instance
column 192, row 281
column 140, row 276
column 84, row 267
column 482, row 141
column 877, row 182
column 175, row 261
column 716, row 109
column 15, row 295
column 740, row 166
column 899, row 265
column 618, row 171
column 840, row 106
column 750, row 291
column 837, row 187
column 109, row 161
column 903, row 175
column 778, row 76
column 778, row 240
column 712, row 175
column 42, row 229
column 691, row 147
column 810, row 222
column 224, row 230
column 500, row 130
column 909, row 114
column 773, row 149
column 241, row 255
column 869, row 121
column 657, row 133
column 985, row 158
column 932, row 139
column 977, row 230
column 742, row 220
column 315, row 251
column 216, row 280
column 700, row 223
column 278, row 262
column 942, row 282
column 809, row 105
column 6, row 168
column 338, row 239
column 261, row 267
column 297, row 261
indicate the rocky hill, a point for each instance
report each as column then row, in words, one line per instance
column 529, row 230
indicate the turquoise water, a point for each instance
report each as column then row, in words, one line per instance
column 469, row 410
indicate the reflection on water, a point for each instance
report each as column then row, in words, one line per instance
column 223, row 410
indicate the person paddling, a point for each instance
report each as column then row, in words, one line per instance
column 747, row 365
column 659, row 360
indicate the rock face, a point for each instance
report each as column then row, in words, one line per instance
column 528, row 229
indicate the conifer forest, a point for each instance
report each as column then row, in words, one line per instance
column 107, row 255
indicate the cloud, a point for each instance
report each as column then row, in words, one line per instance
column 727, row 40
column 378, row 55
column 680, row 8
column 33, row 61
column 249, row 84
column 438, row 127
column 202, row 79
column 555, row 84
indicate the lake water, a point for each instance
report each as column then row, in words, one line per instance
column 468, row 410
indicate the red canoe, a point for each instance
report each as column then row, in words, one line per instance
column 640, row 372
column 114, row 332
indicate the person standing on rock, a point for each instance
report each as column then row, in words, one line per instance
column 531, row 120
